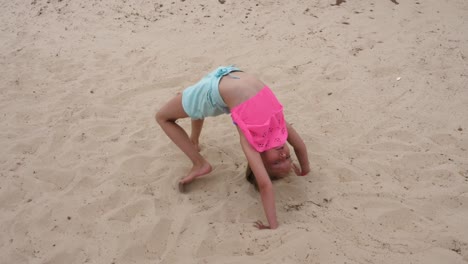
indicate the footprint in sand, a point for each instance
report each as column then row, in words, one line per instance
column 334, row 73
column 136, row 170
column 401, row 219
column 145, row 244
column 103, row 205
column 132, row 211
column 58, row 179
column 447, row 140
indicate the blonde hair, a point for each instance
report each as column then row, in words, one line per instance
column 250, row 177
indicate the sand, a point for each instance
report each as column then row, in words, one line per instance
column 378, row 90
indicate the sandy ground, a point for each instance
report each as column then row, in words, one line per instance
column 378, row 91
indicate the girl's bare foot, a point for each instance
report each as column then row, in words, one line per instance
column 195, row 172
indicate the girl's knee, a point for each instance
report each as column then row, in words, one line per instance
column 171, row 111
column 164, row 116
column 160, row 118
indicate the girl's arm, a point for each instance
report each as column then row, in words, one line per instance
column 264, row 183
column 300, row 149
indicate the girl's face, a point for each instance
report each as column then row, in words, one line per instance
column 277, row 161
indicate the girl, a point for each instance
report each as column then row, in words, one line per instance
column 259, row 119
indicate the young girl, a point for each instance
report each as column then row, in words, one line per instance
column 258, row 117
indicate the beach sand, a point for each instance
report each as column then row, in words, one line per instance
column 378, row 90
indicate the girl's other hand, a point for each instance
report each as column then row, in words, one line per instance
column 260, row 225
column 298, row 171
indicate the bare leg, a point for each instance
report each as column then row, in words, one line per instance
column 166, row 118
column 195, row 133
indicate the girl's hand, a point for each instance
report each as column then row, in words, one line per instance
column 260, row 225
column 298, row 171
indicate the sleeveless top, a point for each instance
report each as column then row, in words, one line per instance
column 261, row 120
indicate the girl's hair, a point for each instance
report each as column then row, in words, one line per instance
column 250, row 177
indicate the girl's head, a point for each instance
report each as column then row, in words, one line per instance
column 277, row 163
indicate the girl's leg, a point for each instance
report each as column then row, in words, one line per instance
column 166, row 118
column 195, row 133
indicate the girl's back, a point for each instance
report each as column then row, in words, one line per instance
column 237, row 87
